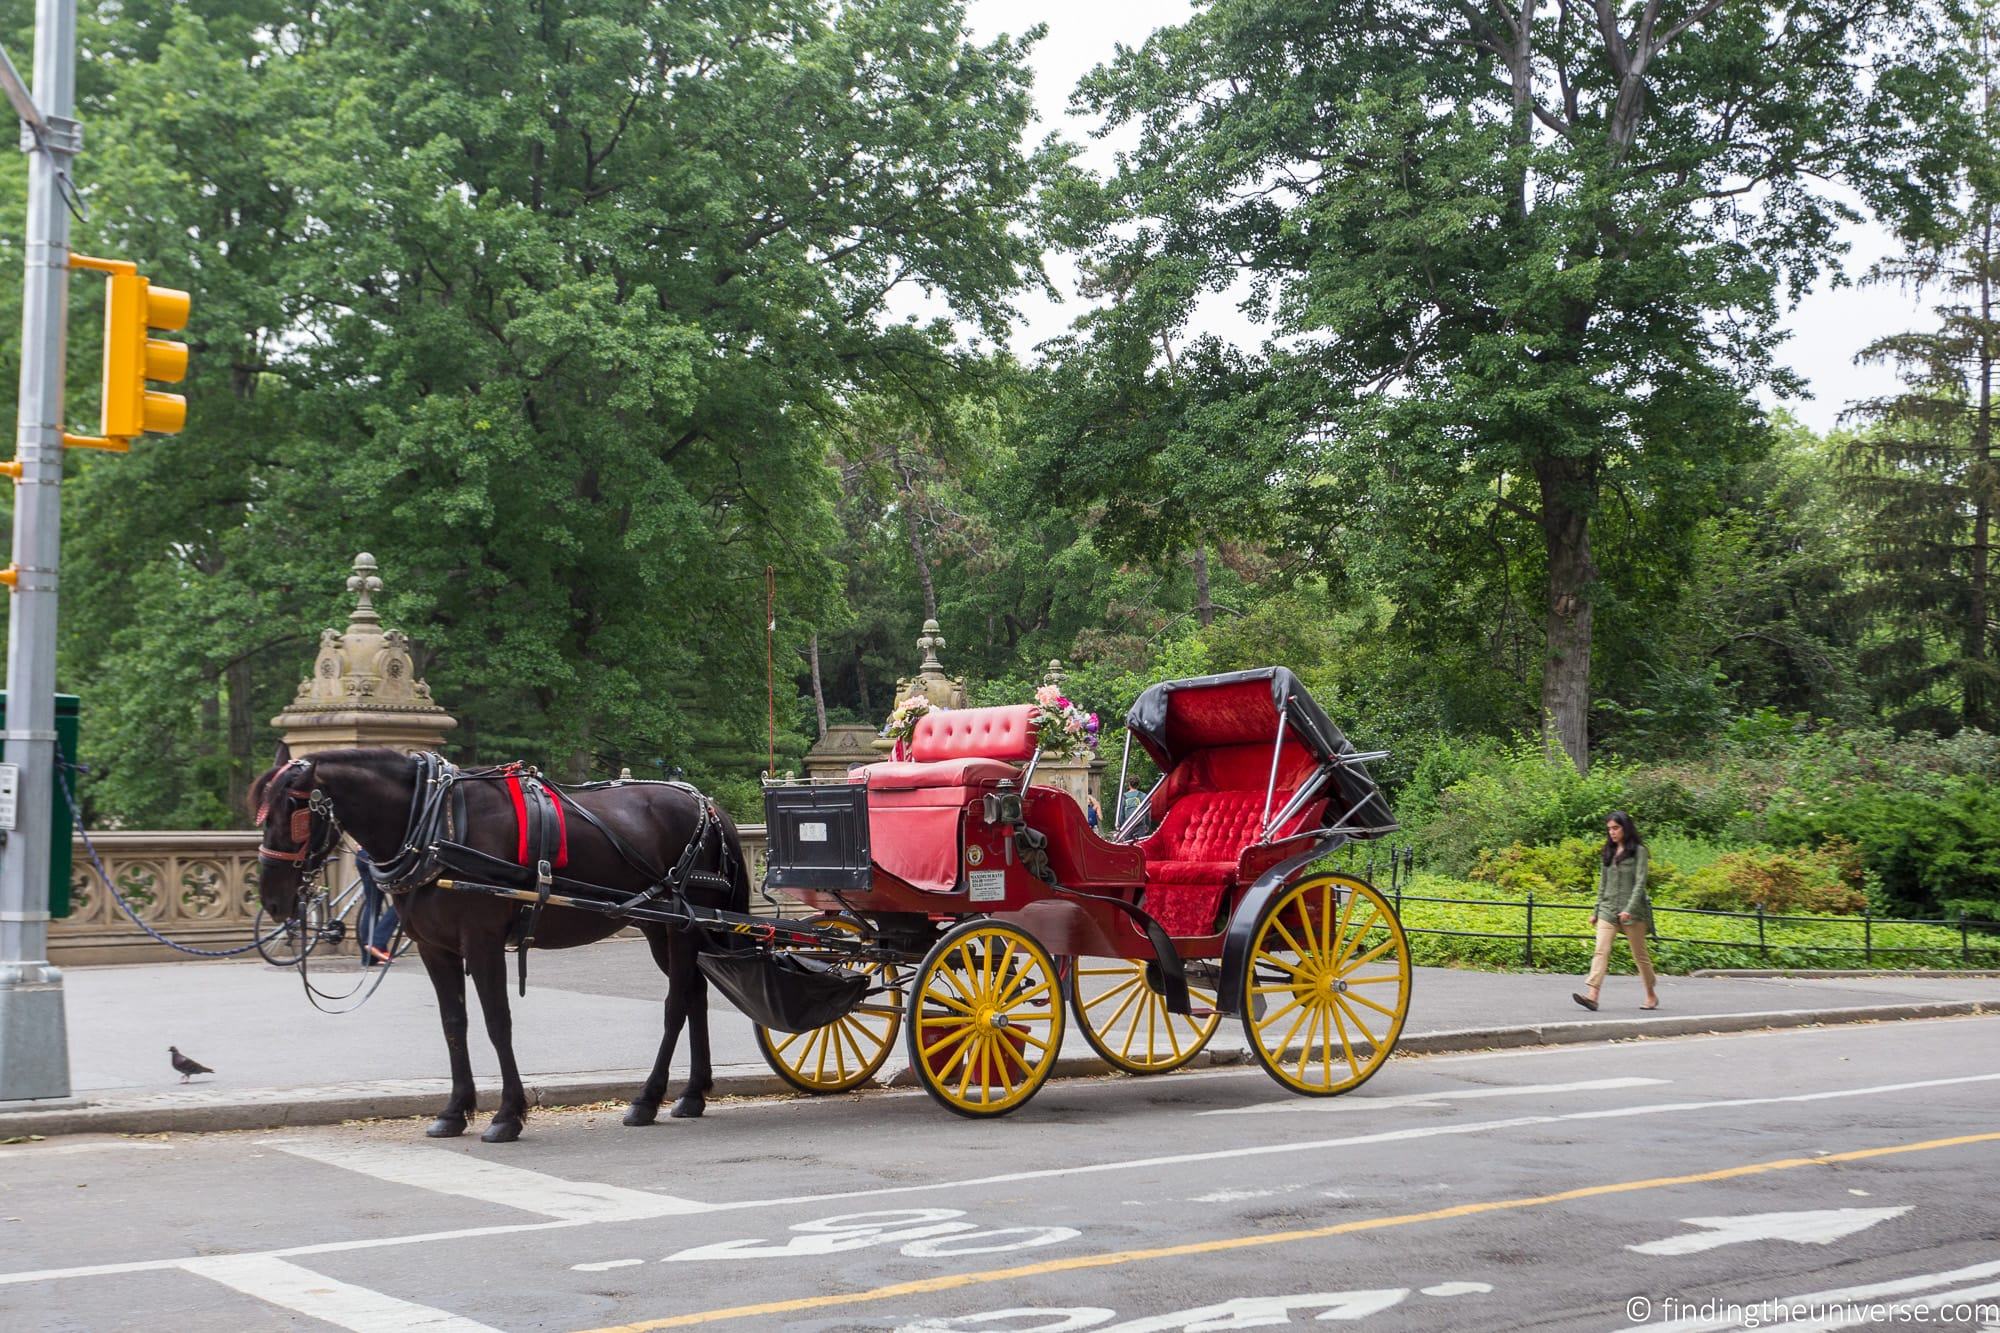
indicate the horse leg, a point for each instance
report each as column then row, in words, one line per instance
column 449, row 982
column 701, row 1074
column 489, row 978
column 645, row 1108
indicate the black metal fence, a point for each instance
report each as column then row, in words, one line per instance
column 1978, row 941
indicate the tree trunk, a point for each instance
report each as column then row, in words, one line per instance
column 1204, row 605
column 1566, row 486
column 861, row 682
column 243, row 765
column 913, row 527
column 1977, row 703
column 819, row 691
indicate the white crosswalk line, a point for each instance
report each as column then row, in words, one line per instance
column 48, row 1149
column 1349, row 1106
column 338, row 1303
column 446, row 1172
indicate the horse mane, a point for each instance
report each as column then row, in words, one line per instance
column 259, row 789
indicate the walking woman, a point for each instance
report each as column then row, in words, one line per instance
column 1621, row 905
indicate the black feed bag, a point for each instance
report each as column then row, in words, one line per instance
column 785, row 992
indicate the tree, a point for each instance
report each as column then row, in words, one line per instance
column 554, row 308
column 1516, row 259
column 1923, row 468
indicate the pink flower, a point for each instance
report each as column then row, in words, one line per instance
column 1048, row 695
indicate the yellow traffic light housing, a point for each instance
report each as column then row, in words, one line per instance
column 133, row 308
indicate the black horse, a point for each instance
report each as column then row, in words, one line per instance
column 371, row 794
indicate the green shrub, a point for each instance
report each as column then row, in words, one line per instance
column 1802, row 880
column 1932, row 854
column 1566, row 869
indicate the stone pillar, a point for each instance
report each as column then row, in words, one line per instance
column 363, row 691
column 842, row 749
column 1080, row 777
column 363, row 688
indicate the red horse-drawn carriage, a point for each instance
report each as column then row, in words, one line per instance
column 963, row 905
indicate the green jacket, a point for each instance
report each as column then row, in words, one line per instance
column 1621, row 887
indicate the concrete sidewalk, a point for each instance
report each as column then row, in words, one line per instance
column 590, row 1023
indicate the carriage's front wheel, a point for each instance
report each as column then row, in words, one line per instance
column 1328, row 985
column 986, row 1018
column 847, row 1052
column 1126, row 1021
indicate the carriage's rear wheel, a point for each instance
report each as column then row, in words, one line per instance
column 1126, row 1021
column 846, row 1052
column 1328, row 985
column 986, row 1018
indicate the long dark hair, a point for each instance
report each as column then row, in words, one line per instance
column 1629, row 847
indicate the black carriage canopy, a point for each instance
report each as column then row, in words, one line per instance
column 1178, row 717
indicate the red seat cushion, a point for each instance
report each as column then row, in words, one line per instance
column 943, row 773
column 975, row 733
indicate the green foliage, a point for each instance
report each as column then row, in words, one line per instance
column 1802, row 880
column 1934, row 852
column 1566, row 869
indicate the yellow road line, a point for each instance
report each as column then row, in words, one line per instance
column 953, row 1281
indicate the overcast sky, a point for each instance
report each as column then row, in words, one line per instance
column 1827, row 328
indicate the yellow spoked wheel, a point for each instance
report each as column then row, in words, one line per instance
column 986, row 1018
column 1126, row 1021
column 1328, row 985
column 846, row 1052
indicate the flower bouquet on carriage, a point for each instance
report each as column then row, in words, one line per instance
column 1062, row 729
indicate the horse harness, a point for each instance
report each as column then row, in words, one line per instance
column 438, row 821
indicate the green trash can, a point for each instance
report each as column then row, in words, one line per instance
column 62, row 828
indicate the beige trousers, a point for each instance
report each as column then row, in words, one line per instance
column 1635, row 933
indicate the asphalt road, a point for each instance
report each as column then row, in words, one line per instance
column 1531, row 1189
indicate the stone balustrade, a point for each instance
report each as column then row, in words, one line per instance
column 199, row 889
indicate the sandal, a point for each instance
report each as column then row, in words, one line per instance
column 1584, row 1000
column 1654, row 1005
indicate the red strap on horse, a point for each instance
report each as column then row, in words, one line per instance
column 519, row 796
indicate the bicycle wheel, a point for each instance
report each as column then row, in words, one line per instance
column 284, row 943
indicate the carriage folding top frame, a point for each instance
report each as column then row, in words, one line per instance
column 959, row 902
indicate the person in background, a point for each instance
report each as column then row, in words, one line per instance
column 1129, row 803
column 378, row 915
column 1622, row 905
column 1093, row 812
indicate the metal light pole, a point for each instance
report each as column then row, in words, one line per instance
column 34, row 1042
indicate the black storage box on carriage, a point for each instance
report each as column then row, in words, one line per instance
column 816, row 836
column 785, row 991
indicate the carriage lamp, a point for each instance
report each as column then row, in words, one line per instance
column 1002, row 806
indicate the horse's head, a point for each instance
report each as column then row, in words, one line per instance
column 299, row 828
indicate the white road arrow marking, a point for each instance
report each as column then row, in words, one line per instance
column 1820, row 1227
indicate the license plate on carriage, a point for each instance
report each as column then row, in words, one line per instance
column 812, row 833
column 986, row 886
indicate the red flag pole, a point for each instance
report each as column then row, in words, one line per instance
column 770, row 665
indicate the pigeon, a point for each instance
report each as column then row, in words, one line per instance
column 188, row 1068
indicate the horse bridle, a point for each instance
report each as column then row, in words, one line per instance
column 315, row 829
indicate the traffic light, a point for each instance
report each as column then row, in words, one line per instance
column 133, row 309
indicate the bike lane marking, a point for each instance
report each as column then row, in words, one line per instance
column 1117, row 1258
column 445, row 1171
column 341, row 1304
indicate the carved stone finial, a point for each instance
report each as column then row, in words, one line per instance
column 928, row 644
column 364, row 583
column 364, row 686
column 1054, row 675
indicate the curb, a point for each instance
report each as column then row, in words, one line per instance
column 617, row 1086
column 1843, row 974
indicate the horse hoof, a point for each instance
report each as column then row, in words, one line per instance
column 642, row 1113
column 689, row 1107
column 445, row 1127
column 501, row 1131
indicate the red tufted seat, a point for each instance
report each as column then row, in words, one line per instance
column 1205, row 844
column 975, row 733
